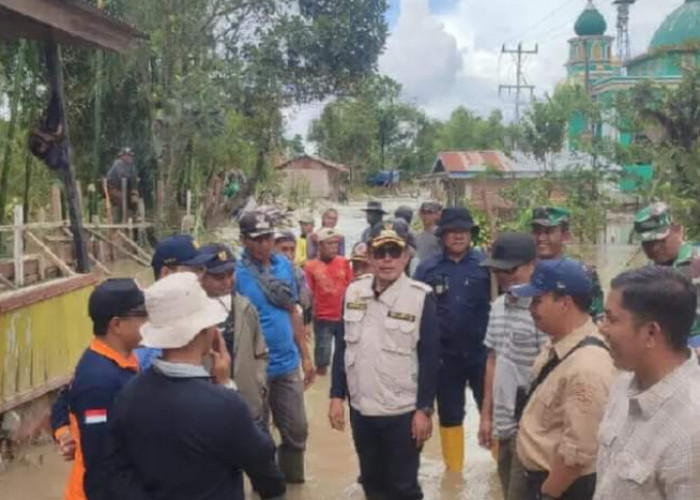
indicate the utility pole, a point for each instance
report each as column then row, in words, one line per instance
column 520, row 83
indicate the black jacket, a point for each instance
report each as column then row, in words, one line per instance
column 187, row 438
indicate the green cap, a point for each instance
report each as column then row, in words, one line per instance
column 550, row 216
column 654, row 222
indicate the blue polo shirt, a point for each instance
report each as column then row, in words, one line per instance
column 463, row 293
column 276, row 323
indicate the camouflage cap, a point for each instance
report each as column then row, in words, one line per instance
column 654, row 222
column 550, row 216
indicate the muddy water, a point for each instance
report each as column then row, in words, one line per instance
column 331, row 461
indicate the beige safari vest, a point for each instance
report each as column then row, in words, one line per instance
column 381, row 336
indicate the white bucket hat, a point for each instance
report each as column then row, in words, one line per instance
column 178, row 309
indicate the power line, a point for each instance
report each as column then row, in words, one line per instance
column 551, row 14
column 520, row 82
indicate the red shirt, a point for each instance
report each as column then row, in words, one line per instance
column 328, row 282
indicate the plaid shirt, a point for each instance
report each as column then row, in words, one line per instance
column 650, row 440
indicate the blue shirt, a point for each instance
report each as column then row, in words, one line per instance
column 463, row 293
column 276, row 323
column 146, row 356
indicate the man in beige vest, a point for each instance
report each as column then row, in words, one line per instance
column 386, row 363
column 557, row 438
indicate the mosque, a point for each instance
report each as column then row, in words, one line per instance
column 593, row 63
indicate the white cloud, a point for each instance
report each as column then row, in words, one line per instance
column 444, row 61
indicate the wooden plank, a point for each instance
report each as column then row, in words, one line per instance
column 58, row 225
column 131, row 243
column 45, row 291
column 92, row 257
column 56, row 211
column 125, row 198
column 18, row 250
column 69, row 22
column 50, row 254
column 121, row 249
column 34, row 393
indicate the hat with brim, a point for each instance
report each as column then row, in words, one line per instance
column 199, row 260
column 374, row 206
column 178, row 309
column 657, row 235
column 528, row 290
column 387, row 237
column 501, row 264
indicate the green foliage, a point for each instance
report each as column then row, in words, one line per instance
column 204, row 92
column 664, row 122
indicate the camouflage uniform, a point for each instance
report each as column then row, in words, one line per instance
column 556, row 216
column 654, row 223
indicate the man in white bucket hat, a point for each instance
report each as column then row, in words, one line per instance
column 182, row 430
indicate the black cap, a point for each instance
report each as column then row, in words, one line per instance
column 178, row 250
column 285, row 236
column 221, row 259
column 456, row 218
column 116, row 297
column 511, row 250
column 374, row 206
column 404, row 212
column 256, row 223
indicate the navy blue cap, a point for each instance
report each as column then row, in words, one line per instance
column 456, row 218
column 221, row 258
column 116, row 297
column 566, row 276
column 178, row 250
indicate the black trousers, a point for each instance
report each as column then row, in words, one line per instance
column 581, row 489
column 389, row 458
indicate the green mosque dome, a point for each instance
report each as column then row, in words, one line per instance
column 591, row 22
column 681, row 27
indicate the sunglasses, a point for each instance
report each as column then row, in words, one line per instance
column 393, row 251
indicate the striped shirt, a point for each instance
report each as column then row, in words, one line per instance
column 513, row 337
column 650, row 439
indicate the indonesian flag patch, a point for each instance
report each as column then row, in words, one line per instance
column 98, row 416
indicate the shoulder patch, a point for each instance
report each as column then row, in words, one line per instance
column 421, row 286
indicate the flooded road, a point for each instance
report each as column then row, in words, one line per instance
column 332, row 468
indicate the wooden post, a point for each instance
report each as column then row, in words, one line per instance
column 56, row 210
column 79, row 194
column 19, row 245
column 160, row 198
column 141, row 219
column 125, row 200
column 108, row 202
column 55, row 79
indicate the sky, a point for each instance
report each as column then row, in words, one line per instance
column 447, row 53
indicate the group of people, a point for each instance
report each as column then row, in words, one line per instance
column 578, row 397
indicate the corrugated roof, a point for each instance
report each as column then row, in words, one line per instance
column 323, row 161
column 477, row 161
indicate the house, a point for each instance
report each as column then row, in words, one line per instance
column 481, row 176
column 314, row 177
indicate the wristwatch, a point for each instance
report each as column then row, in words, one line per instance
column 428, row 411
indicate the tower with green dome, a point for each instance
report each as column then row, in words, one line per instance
column 590, row 52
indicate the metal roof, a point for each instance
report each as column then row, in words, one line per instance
column 322, row 161
column 68, row 22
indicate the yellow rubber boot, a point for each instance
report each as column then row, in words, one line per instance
column 452, row 440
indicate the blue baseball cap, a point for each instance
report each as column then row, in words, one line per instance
column 221, row 258
column 566, row 276
column 178, row 250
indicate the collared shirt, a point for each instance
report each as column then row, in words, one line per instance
column 516, row 341
column 650, row 439
column 427, row 244
column 328, row 282
column 276, row 322
column 463, row 293
column 100, row 375
column 561, row 419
